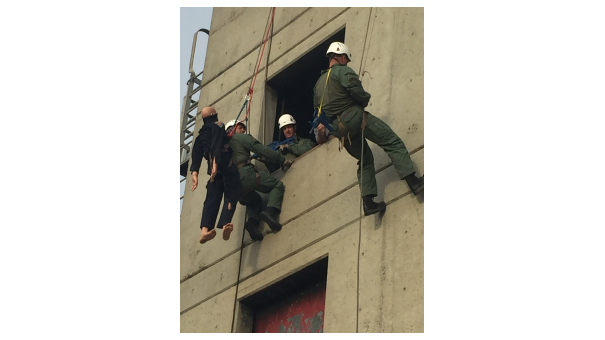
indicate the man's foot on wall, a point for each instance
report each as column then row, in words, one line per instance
column 370, row 207
column 270, row 216
column 416, row 184
column 252, row 227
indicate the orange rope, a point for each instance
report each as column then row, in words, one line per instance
column 251, row 90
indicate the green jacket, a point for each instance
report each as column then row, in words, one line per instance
column 343, row 92
column 242, row 144
column 295, row 149
column 299, row 146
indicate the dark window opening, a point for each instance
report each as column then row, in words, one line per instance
column 294, row 86
column 295, row 304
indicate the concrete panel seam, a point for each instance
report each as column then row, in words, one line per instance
column 338, row 193
column 204, row 83
column 309, row 35
column 270, row 265
column 206, row 299
column 316, row 259
column 211, row 264
column 300, row 249
column 263, row 68
column 290, row 255
column 379, row 170
column 398, row 197
column 283, row 224
column 307, row 211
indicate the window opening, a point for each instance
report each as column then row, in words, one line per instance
column 295, row 304
column 294, row 86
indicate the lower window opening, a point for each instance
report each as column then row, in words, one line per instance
column 295, row 304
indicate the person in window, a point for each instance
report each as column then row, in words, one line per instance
column 292, row 147
column 342, row 99
column 298, row 146
column 253, row 180
column 212, row 144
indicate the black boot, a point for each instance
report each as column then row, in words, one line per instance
column 252, row 227
column 415, row 183
column 270, row 216
column 370, row 207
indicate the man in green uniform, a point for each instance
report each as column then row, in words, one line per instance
column 339, row 95
column 287, row 125
column 253, row 180
column 293, row 149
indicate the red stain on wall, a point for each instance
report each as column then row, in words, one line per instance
column 302, row 312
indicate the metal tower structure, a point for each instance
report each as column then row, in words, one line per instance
column 194, row 85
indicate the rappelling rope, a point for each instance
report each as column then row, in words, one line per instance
column 263, row 113
column 253, row 81
column 363, row 144
column 248, row 98
column 247, row 104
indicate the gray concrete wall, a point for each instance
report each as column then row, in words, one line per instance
column 321, row 209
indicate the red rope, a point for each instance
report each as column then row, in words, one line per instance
column 251, row 90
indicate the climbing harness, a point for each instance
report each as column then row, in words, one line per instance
column 318, row 118
column 324, row 120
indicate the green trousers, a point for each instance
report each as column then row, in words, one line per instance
column 381, row 134
column 266, row 183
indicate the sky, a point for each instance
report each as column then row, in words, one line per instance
column 192, row 19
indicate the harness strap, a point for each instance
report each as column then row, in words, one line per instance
column 324, row 92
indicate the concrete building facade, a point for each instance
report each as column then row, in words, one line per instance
column 373, row 267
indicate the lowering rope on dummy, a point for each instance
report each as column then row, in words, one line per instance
column 250, row 94
column 247, row 104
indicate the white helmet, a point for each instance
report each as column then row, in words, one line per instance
column 286, row 120
column 231, row 124
column 339, row 48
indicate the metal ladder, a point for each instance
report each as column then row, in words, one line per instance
column 189, row 110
